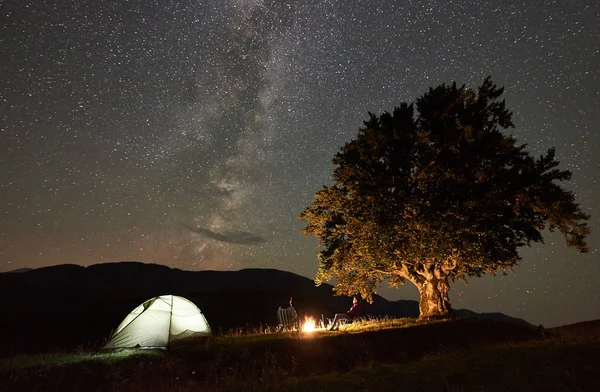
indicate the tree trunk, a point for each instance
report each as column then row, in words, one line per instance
column 434, row 298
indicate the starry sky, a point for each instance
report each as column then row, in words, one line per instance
column 192, row 133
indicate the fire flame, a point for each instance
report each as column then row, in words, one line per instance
column 309, row 324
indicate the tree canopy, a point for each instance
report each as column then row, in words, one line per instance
column 436, row 191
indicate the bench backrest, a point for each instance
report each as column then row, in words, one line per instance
column 286, row 316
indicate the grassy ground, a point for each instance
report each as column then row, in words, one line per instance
column 540, row 366
column 382, row 355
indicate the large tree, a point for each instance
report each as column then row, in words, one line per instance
column 434, row 192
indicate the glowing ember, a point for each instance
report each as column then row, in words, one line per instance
column 309, row 324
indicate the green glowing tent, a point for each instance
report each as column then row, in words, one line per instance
column 158, row 322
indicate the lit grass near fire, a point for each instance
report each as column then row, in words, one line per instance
column 230, row 338
column 383, row 353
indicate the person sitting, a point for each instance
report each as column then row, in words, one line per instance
column 349, row 315
column 287, row 315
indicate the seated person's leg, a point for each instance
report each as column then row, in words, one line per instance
column 333, row 323
column 336, row 320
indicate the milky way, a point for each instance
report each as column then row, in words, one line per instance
column 191, row 133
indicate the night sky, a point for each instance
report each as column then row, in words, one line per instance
column 192, row 133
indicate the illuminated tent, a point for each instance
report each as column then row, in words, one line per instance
column 158, row 322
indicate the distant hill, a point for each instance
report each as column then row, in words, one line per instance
column 583, row 330
column 20, row 270
column 76, row 304
column 465, row 313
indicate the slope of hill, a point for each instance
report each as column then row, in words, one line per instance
column 584, row 330
column 77, row 304
column 465, row 313
column 20, row 270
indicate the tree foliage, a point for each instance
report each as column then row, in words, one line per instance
column 436, row 191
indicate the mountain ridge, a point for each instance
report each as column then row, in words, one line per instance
column 78, row 303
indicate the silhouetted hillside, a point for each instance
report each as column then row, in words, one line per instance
column 66, row 305
column 465, row 313
column 583, row 330
column 20, row 270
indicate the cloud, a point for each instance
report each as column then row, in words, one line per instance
column 233, row 237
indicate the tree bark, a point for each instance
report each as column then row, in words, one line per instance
column 434, row 297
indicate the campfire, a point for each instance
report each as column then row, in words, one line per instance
column 309, row 324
